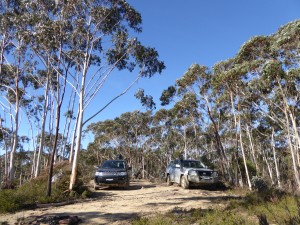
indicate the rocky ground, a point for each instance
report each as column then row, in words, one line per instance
column 118, row 206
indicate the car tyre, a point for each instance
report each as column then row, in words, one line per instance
column 126, row 185
column 184, row 182
column 169, row 183
column 95, row 186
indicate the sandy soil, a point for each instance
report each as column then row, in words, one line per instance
column 118, row 206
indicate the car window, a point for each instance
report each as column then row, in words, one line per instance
column 113, row 164
column 193, row 164
column 121, row 165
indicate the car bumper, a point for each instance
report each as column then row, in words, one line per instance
column 198, row 180
column 120, row 181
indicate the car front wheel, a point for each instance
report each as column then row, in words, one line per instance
column 126, row 185
column 184, row 182
column 95, row 186
column 169, row 183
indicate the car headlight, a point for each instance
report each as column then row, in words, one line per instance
column 214, row 174
column 123, row 173
column 99, row 174
column 193, row 173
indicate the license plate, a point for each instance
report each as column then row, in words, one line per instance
column 109, row 179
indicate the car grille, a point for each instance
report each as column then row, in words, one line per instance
column 112, row 173
column 205, row 173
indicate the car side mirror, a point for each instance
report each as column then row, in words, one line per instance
column 177, row 165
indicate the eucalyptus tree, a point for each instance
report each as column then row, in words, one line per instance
column 186, row 121
column 15, row 66
column 108, row 135
column 197, row 82
column 264, row 78
column 101, row 43
column 278, row 83
column 162, row 137
column 5, row 139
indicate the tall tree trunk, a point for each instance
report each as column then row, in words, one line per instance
column 238, row 172
column 73, row 143
column 244, row 157
column 5, row 164
column 60, row 92
column 275, row 161
column 69, row 119
column 15, row 133
column 49, row 186
column 42, row 137
column 268, row 165
column 296, row 137
column 220, row 149
column 185, row 142
column 79, row 124
column 292, row 151
column 78, row 141
column 252, row 149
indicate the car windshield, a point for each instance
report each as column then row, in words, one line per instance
column 113, row 164
column 193, row 164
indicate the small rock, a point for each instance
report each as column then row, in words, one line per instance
column 72, row 220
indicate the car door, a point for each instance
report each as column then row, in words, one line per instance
column 177, row 171
column 171, row 171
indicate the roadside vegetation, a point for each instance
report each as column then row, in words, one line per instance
column 269, row 207
column 32, row 193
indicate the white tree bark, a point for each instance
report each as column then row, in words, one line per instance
column 42, row 135
column 252, row 149
column 244, row 157
column 275, row 161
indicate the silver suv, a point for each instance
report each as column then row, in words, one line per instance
column 188, row 173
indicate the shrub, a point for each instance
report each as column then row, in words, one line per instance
column 259, row 184
column 9, row 201
column 34, row 191
column 195, row 216
column 86, row 194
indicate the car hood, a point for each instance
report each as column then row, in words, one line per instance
column 111, row 170
column 198, row 169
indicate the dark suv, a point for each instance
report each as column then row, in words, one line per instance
column 190, row 173
column 112, row 173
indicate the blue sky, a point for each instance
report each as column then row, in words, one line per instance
column 196, row 31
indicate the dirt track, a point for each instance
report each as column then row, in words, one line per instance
column 117, row 206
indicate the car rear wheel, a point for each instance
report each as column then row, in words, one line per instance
column 184, row 182
column 169, row 183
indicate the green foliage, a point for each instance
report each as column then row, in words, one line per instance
column 34, row 191
column 146, row 100
column 259, row 184
column 250, row 166
column 279, row 209
column 86, row 194
column 167, row 95
column 275, row 205
column 195, row 216
column 10, row 201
